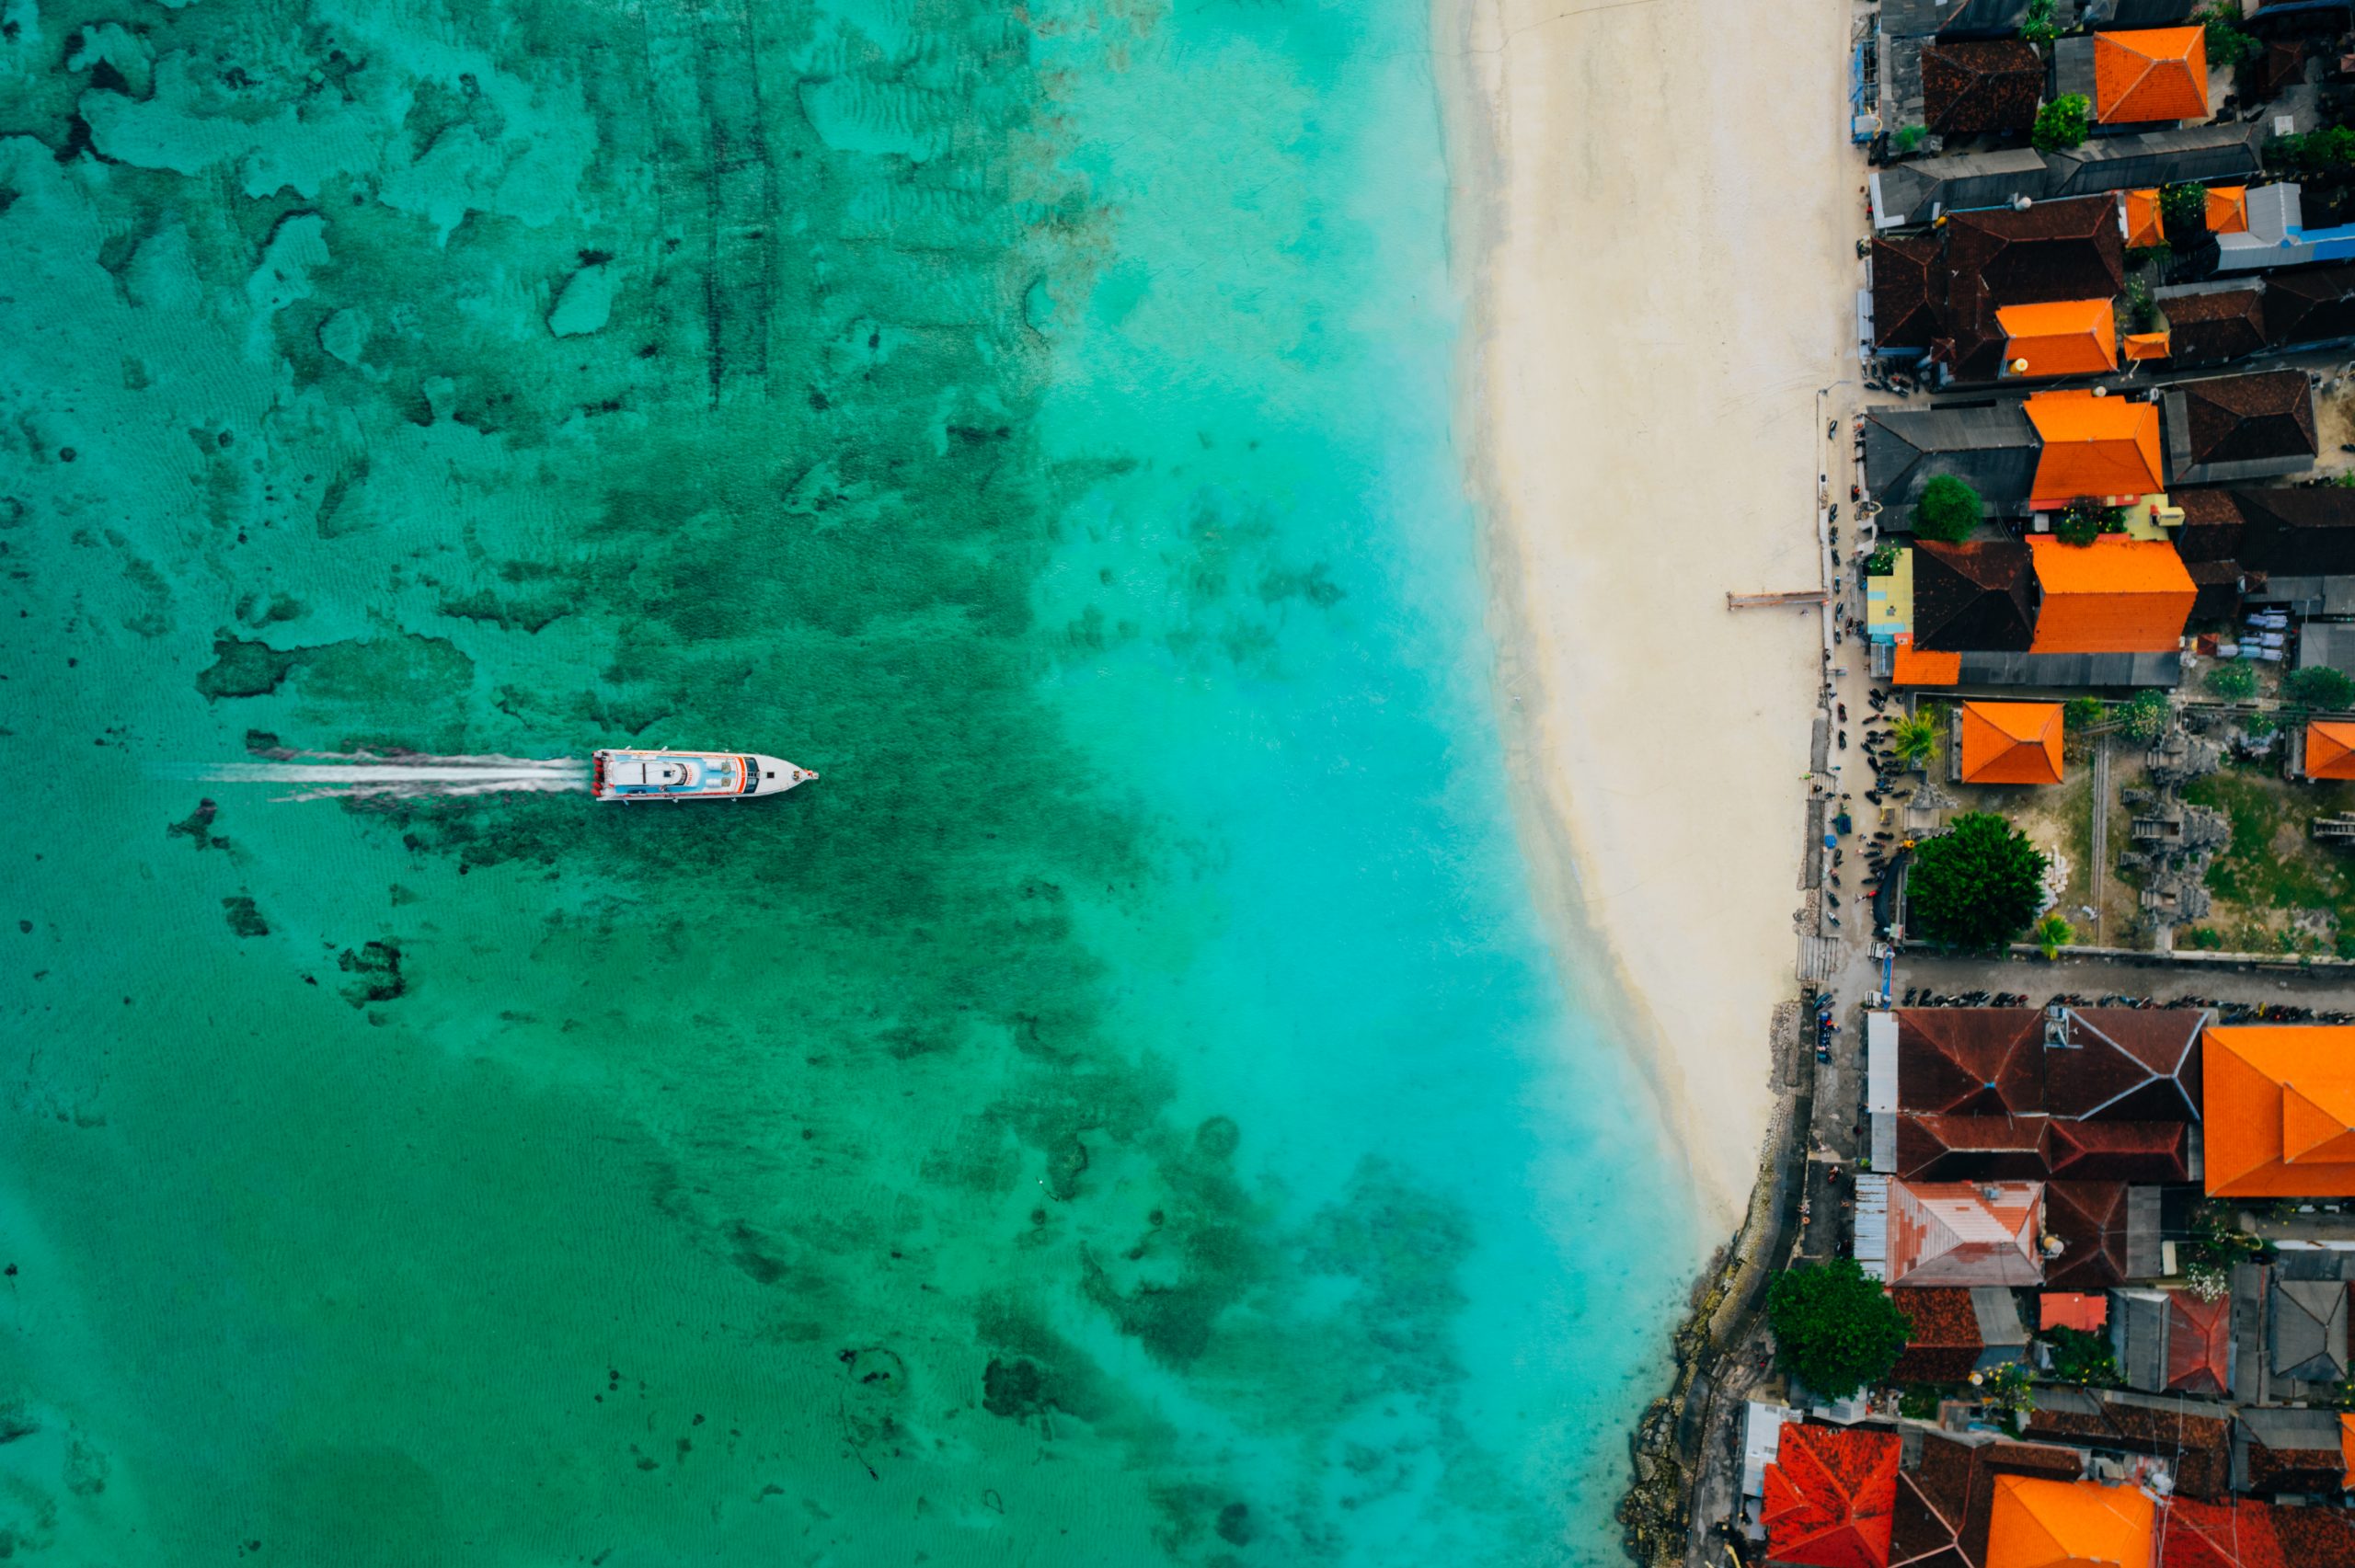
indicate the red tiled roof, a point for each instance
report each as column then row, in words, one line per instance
column 2211, row 1535
column 2200, row 1343
column 1830, row 1495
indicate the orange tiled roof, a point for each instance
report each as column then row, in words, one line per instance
column 2064, row 338
column 2115, row 595
column 2147, row 346
column 2069, row 1524
column 2092, row 446
column 2279, row 1113
column 2142, row 224
column 2151, row 73
column 1913, row 667
column 2072, row 1309
column 2330, row 751
column 2347, row 1449
column 2228, row 209
column 2011, row 743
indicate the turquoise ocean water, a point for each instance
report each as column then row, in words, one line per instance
column 1128, row 1112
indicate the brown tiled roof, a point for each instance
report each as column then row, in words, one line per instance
column 2236, row 418
column 1968, row 88
column 2211, row 526
column 2220, row 590
column 2207, row 329
column 2127, row 1064
column 2217, row 1535
column 1943, row 1502
column 2200, row 1444
column 1969, row 1061
column 1971, row 599
column 2311, row 306
column 2053, row 250
column 2295, row 1470
column 2282, row 64
column 1945, row 1346
column 1905, row 275
column 1971, row 1148
column 2090, row 1220
column 2120, row 1151
column 2310, row 1538
column 2300, row 532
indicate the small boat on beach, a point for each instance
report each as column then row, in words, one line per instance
column 690, row 775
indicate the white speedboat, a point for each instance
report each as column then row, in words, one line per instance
column 690, row 775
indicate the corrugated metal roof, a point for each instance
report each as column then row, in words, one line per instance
column 1872, row 1223
column 1761, row 1440
column 2056, row 669
column 1881, row 1061
column 1884, row 1140
column 2138, row 1335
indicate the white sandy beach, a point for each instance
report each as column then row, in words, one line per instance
column 1666, row 203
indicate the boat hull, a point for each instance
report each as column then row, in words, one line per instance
column 631, row 775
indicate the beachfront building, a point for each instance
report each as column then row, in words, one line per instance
column 1972, row 597
column 2047, row 253
column 1919, row 191
column 1828, row 1496
column 1965, row 1233
column 2228, row 429
column 1981, row 86
column 2115, row 595
column 1991, row 450
column 2008, row 743
column 2280, row 1103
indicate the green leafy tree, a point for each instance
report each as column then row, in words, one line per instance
column 2320, row 686
column 2053, row 933
column 2234, row 681
column 2083, row 1358
column 2061, row 125
column 2085, row 520
column 1835, row 1329
column 2008, row 1389
column 1976, row 886
column 2082, row 712
column 2038, row 26
column 2183, row 212
column 1914, row 737
column 2315, row 152
column 2227, row 45
column 2146, row 717
column 1882, row 562
column 1947, row 510
column 2142, row 309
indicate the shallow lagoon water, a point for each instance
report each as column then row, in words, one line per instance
column 1129, row 1111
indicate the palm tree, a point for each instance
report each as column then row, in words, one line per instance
column 1914, row 739
column 2053, row 933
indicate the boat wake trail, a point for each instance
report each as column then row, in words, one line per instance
column 318, row 776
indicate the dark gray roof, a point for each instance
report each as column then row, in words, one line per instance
column 2251, row 1284
column 2309, row 1330
column 2138, row 1335
column 2144, row 1260
column 1998, row 1311
column 2072, row 67
column 2156, row 158
column 2072, row 669
column 1908, row 193
column 1991, row 449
